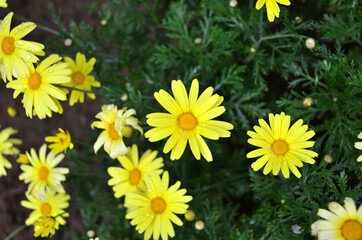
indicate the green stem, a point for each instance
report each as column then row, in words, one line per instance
column 76, row 89
column 16, row 231
column 39, row 26
column 33, row 126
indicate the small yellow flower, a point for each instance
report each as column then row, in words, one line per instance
column 16, row 54
column 131, row 176
column 358, row 145
column 81, row 78
column 42, row 172
column 12, row 112
column 61, row 142
column 40, row 95
column 272, row 7
column 7, row 148
column 3, row 4
column 23, row 159
column 342, row 223
column 45, row 226
column 116, row 124
column 281, row 148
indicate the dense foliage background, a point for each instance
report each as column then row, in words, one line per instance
column 259, row 67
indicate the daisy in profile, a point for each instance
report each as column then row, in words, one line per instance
column 116, row 124
column 272, row 7
column 46, row 205
column 61, row 142
column 81, row 78
column 189, row 119
column 358, row 145
column 132, row 174
column 42, row 172
column 342, row 223
column 15, row 53
column 7, row 148
column 3, row 4
column 153, row 211
column 40, row 95
column 281, row 148
column 45, row 226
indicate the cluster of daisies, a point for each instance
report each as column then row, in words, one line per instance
column 152, row 203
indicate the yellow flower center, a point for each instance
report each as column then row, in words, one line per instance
column 43, row 173
column 352, row 230
column 127, row 131
column 8, row 46
column 34, row 81
column 46, row 209
column 135, row 176
column 112, row 132
column 279, row 147
column 78, row 78
column 187, row 121
column 158, row 205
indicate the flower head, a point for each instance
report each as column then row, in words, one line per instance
column 116, row 124
column 45, row 226
column 47, row 204
column 3, row 4
column 272, row 7
column 81, row 78
column 132, row 175
column 42, row 172
column 15, row 53
column 7, row 148
column 343, row 223
column 358, row 145
column 39, row 92
column 61, row 142
column 189, row 119
column 154, row 209
column 281, row 148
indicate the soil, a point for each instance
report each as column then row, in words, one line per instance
column 80, row 116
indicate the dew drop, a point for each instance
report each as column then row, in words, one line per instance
column 28, row 56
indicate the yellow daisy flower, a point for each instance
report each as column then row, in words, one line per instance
column 3, row 4
column 358, row 145
column 81, row 78
column 154, row 210
column 22, row 158
column 39, row 92
column 189, row 119
column 281, row 147
column 61, row 142
column 47, row 204
column 45, row 226
column 131, row 176
column 15, row 53
column 42, row 172
column 116, row 124
column 342, row 223
column 272, row 7
column 7, row 148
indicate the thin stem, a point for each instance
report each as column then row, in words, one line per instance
column 16, row 231
column 33, row 126
column 39, row 26
column 76, row 89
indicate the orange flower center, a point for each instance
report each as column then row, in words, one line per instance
column 43, row 173
column 352, row 230
column 279, row 147
column 158, row 205
column 78, row 78
column 34, row 81
column 8, row 46
column 46, row 209
column 112, row 132
column 187, row 121
column 127, row 131
column 135, row 176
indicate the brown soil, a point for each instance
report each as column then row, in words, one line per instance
column 12, row 214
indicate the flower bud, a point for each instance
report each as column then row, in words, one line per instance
column 310, row 43
column 199, row 225
column 190, row 215
column 308, row 102
column 12, row 112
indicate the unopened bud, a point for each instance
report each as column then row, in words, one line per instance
column 308, row 102
column 103, row 22
column 91, row 233
column 252, row 50
column 233, row 3
column 124, row 97
column 199, row 225
column 197, row 40
column 310, row 43
column 282, row 201
column 68, row 42
column 298, row 19
column 190, row 215
column 335, row 99
column 12, row 112
column 328, row 158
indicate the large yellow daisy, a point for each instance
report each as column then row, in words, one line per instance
column 272, row 7
column 47, row 204
column 132, row 175
column 341, row 223
column 15, row 53
column 154, row 210
column 81, row 78
column 116, row 124
column 189, row 119
column 61, row 142
column 3, row 4
column 42, row 172
column 39, row 92
column 7, row 148
column 281, row 148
